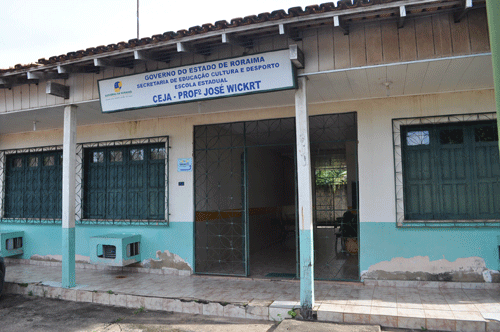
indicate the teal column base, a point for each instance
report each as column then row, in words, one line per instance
column 68, row 258
column 306, row 272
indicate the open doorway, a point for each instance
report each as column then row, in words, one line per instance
column 246, row 198
column 271, row 201
column 271, row 197
column 335, row 182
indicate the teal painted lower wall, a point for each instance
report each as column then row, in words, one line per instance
column 384, row 241
column 378, row 241
column 68, row 238
column 306, row 269
column 47, row 239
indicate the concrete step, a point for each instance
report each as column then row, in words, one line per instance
column 292, row 325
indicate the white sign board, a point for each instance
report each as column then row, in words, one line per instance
column 224, row 78
column 185, row 165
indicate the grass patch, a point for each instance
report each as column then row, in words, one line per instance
column 141, row 309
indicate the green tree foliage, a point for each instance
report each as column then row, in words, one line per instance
column 331, row 177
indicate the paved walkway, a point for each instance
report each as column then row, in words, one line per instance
column 434, row 306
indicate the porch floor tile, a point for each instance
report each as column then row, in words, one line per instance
column 443, row 308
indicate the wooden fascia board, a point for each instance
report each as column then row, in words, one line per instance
column 5, row 83
column 145, row 55
column 11, row 81
column 43, row 76
column 72, row 69
column 105, row 61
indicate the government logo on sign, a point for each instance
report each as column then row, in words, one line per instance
column 118, row 86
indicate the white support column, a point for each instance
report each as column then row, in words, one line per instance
column 68, row 197
column 305, row 200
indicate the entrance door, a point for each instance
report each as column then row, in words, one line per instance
column 334, row 172
column 220, row 221
column 245, row 198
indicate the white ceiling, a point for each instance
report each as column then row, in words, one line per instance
column 423, row 77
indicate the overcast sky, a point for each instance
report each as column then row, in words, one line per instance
column 34, row 29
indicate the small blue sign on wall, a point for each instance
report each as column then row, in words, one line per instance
column 185, row 165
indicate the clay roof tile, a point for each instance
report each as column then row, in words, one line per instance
column 122, row 45
column 222, row 24
column 235, row 22
column 168, row 35
column 278, row 14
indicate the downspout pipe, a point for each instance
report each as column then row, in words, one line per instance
column 493, row 12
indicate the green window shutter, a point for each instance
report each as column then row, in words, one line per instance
column 451, row 172
column 95, row 184
column 156, row 182
column 419, row 175
column 137, row 183
column 51, row 184
column 117, row 186
column 486, row 170
column 14, row 184
column 125, row 182
column 34, row 185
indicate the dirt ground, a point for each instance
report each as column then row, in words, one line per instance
column 29, row 313
column 38, row 314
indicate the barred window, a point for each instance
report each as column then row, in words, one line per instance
column 451, row 172
column 33, row 185
column 124, row 182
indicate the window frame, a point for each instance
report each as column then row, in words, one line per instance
column 40, row 151
column 129, row 144
column 79, row 183
column 398, row 141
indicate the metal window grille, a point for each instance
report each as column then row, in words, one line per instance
column 45, row 161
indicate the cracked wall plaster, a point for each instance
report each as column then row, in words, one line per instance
column 166, row 259
column 58, row 258
column 470, row 269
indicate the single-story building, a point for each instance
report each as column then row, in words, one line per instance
column 336, row 142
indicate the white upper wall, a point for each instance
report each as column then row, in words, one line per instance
column 375, row 149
